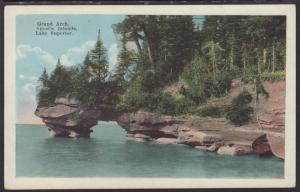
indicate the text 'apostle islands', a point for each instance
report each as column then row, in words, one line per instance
column 54, row 28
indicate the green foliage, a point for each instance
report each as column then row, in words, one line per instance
column 201, row 84
column 138, row 97
column 133, row 98
column 98, row 63
column 171, row 104
column 44, row 96
column 252, row 77
column 198, row 80
column 221, row 84
column 88, row 83
column 126, row 59
column 164, row 44
column 239, row 112
column 150, row 80
column 276, row 76
column 211, row 111
column 59, row 84
column 165, row 49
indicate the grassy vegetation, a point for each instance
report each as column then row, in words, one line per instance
column 276, row 76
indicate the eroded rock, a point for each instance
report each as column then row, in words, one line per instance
column 212, row 148
column 235, row 150
column 68, row 119
column 193, row 137
column 154, row 126
column 226, row 150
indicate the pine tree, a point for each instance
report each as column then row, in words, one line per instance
column 44, row 79
column 125, row 60
column 213, row 50
column 60, row 81
column 99, row 63
column 44, row 96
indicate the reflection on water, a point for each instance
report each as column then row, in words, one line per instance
column 108, row 154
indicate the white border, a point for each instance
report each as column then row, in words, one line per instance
column 11, row 182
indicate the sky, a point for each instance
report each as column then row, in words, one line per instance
column 35, row 52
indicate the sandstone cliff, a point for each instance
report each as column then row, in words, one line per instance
column 69, row 119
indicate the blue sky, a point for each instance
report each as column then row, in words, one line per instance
column 35, row 52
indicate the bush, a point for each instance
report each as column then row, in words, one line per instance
column 210, row 111
column 133, row 99
column 221, row 84
column 150, row 80
column 137, row 97
column 198, row 81
column 183, row 106
column 239, row 112
column 173, row 104
column 200, row 84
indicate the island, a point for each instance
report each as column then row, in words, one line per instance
column 219, row 87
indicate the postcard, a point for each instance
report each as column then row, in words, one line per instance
column 156, row 96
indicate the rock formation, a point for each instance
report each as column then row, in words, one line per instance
column 264, row 136
column 208, row 134
column 67, row 118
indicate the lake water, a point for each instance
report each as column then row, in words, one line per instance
column 108, row 154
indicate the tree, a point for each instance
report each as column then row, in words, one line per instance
column 126, row 58
column 212, row 51
column 239, row 112
column 60, row 82
column 165, row 43
column 44, row 79
column 98, row 56
column 44, row 96
column 176, row 45
column 198, row 80
column 169, row 49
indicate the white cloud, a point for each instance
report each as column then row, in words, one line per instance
column 88, row 45
column 29, row 90
column 113, row 55
column 74, row 54
column 29, row 78
column 23, row 50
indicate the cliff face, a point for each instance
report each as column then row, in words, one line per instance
column 209, row 134
column 67, row 118
column 269, row 112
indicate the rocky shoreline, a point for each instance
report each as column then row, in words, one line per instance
column 209, row 134
column 265, row 136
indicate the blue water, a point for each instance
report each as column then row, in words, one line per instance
column 108, row 154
